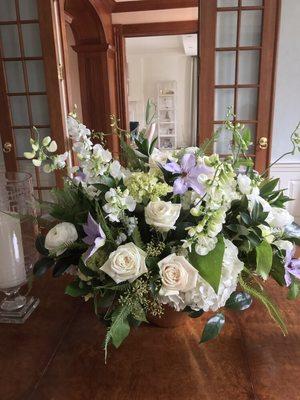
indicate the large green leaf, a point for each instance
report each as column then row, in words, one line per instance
column 267, row 186
column 239, row 301
column 41, row 266
column 210, row 266
column 264, row 259
column 213, row 327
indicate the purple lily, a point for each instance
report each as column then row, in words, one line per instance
column 95, row 236
column 291, row 266
column 189, row 172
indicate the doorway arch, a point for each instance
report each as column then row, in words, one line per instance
column 91, row 25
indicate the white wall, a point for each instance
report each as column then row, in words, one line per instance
column 152, row 68
column 287, row 95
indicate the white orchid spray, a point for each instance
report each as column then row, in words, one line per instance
column 185, row 229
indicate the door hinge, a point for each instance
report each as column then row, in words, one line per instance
column 61, row 72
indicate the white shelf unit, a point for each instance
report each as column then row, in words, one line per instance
column 167, row 115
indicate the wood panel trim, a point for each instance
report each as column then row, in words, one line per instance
column 161, row 28
column 146, row 5
column 56, row 108
column 6, row 133
column 208, row 20
column 121, row 73
column 267, row 79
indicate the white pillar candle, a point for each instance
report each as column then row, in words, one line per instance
column 12, row 266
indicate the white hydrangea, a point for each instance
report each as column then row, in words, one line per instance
column 205, row 244
column 130, row 224
column 117, row 203
column 204, row 297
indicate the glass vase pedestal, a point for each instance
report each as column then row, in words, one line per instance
column 15, row 308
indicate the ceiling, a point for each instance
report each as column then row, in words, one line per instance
column 185, row 44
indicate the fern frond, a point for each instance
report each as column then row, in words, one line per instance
column 119, row 328
column 272, row 308
column 137, row 238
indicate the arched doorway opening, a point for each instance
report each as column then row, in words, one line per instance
column 89, row 33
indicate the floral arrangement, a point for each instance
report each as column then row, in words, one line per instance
column 181, row 229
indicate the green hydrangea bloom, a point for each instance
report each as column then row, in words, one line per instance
column 145, row 186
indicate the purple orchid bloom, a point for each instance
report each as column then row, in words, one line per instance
column 291, row 266
column 95, row 236
column 80, row 177
column 189, row 172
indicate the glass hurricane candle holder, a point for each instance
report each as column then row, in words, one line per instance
column 18, row 230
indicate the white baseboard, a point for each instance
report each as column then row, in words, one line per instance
column 289, row 175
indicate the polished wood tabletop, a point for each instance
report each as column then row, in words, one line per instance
column 57, row 355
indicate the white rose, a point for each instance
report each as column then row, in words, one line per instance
column 279, row 218
column 127, row 263
column 244, row 184
column 178, row 276
column 162, row 215
column 59, row 237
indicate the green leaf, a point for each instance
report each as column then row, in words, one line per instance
column 264, row 259
column 103, row 224
column 151, row 148
column 196, row 314
column 41, row 266
column 294, row 290
column 268, row 186
column 239, row 301
column 259, row 294
column 292, row 232
column 213, row 327
column 245, row 218
column 277, row 270
column 119, row 328
column 137, row 238
column 40, row 245
column 107, row 299
column 74, row 290
column 63, row 264
column 210, row 266
column 108, row 181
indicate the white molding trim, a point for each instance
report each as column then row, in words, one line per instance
column 289, row 175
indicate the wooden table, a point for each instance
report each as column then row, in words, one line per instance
column 57, row 355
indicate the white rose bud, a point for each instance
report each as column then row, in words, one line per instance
column 178, row 276
column 127, row 263
column 162, row 215
column 59, row 237
column 244, row 184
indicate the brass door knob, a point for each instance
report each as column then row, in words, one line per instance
column 7, row 148
column 263, row 143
